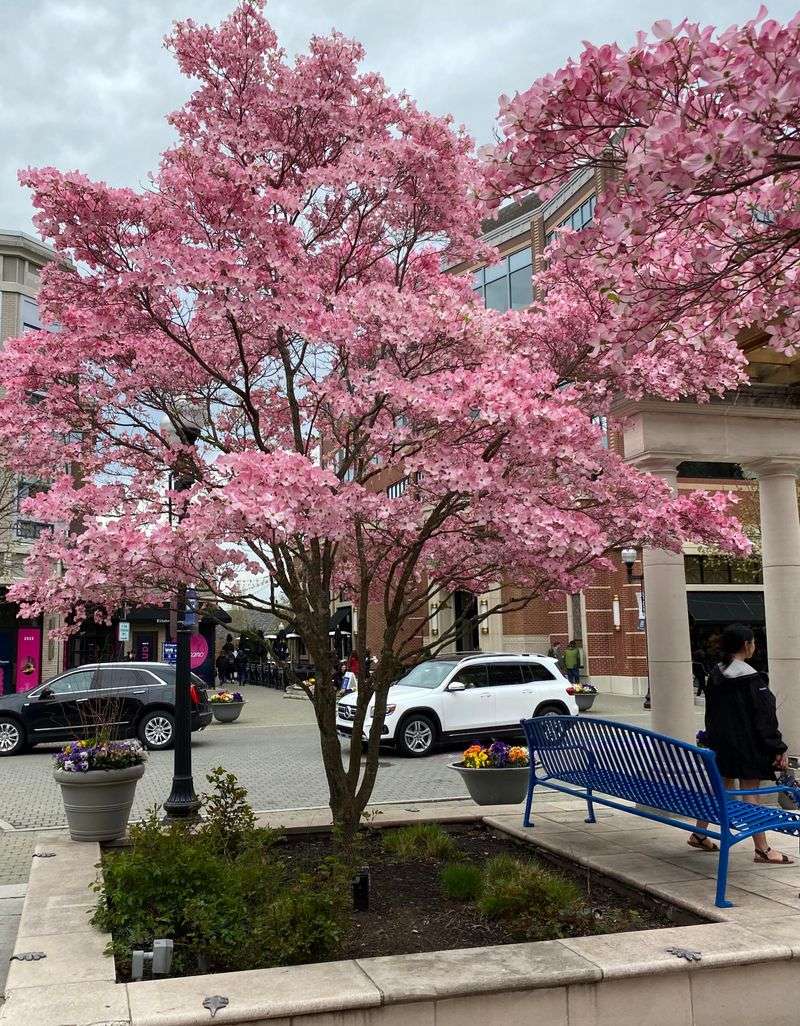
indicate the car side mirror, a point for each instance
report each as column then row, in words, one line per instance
column 45, row 693
column 456, row 685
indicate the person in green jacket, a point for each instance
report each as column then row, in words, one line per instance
column 573, row 660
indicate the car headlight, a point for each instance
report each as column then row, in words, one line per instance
column 389, row 710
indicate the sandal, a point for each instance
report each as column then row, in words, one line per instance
column 762, row 857
column 702, row 843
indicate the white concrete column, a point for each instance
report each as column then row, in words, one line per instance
column 669, row 655
column 780, row 545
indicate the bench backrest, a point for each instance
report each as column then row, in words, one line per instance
column 628, row 762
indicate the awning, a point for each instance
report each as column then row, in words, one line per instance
column 727, row 606
column 343, row 619
column 215, row 614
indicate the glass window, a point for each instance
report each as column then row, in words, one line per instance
column 496, row 271
column 506, row 284
column 496, row 295
column 30, row 315
column 428, row 675
column 521, row 288
column 472, row 676
column 693, row 567
column 520, row 259
column 503, row 674
column 72, row 683
column 533, row 672
column 123, row 677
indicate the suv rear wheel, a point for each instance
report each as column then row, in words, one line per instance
column 12, row 736
column 157, row 730
column 417, row 735
column 551, row 709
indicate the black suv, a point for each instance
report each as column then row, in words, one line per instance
column 126, row 699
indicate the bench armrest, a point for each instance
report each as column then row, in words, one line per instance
column 777, row 789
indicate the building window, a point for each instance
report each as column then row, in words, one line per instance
column 508, row 284
column 30, row 315
column 719, row 570
column 27, row 490
column 30, row 530
column 579, row 218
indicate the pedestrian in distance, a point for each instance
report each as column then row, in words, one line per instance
column 742, row 730
column 240, row 663
column 573, row 660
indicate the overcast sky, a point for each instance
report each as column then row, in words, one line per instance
column 85, row 84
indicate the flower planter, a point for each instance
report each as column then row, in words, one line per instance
column 495, row 786
column 585, row 702
column 98, row 803
column 226, row 712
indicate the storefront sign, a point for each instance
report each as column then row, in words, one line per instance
column 199, row 651
column 642, row 610
column 29, row 651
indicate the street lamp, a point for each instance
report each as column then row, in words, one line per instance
column 182, row 427
column 629, row 558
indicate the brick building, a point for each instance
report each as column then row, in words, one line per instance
column 746, row 442
column 27, row 655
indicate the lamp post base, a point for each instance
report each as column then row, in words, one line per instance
column 183, row 805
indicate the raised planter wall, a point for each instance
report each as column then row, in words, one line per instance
column 747, row 974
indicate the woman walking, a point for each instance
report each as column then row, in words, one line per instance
column 742, row 729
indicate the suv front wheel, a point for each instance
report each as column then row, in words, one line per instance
column 416, row 736
column 157, row 730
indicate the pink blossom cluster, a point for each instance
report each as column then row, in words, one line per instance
column 284, row 274
column 694, row 135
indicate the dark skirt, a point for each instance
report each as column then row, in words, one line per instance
column 731, row 764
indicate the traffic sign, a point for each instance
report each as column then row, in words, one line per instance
column 124, row 630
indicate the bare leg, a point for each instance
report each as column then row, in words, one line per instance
column 760, row 842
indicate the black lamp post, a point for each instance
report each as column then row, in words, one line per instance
column 629, row 558
column 182, row 803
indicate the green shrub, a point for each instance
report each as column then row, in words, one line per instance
column 223, row 893
column 420, row 841
column 461, row 881
column 535, row 903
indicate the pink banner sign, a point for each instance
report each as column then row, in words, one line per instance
column 198, row 651
column 29, row 652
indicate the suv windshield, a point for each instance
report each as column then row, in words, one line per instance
column 427, row 675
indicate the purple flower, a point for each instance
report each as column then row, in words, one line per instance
column 498, row 754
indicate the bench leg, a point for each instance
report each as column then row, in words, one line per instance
column 526, row 819
column 722, row 875
column 590, row 806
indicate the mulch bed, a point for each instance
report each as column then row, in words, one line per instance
column 408, row 912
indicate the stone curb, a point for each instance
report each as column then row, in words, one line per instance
column 560, row 982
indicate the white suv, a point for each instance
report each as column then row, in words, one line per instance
column 464, row 698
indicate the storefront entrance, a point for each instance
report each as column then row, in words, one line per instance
column 710, row 612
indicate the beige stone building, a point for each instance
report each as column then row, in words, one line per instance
column 27, row 655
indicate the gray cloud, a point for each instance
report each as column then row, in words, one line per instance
column 86, row 83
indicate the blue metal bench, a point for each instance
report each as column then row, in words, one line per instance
column 608, row 763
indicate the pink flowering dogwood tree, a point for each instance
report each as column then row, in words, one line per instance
column 696, row 236
column 284, row 275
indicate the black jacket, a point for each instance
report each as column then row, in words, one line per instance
column 742, row 725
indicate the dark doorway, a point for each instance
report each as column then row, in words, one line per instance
column 145, row 645
column 465, row 606
column 8, row 649
column 710, row 612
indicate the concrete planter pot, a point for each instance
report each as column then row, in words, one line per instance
column 494, row 786
column 585, row 702
column 98, row 803
column 226, row 712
